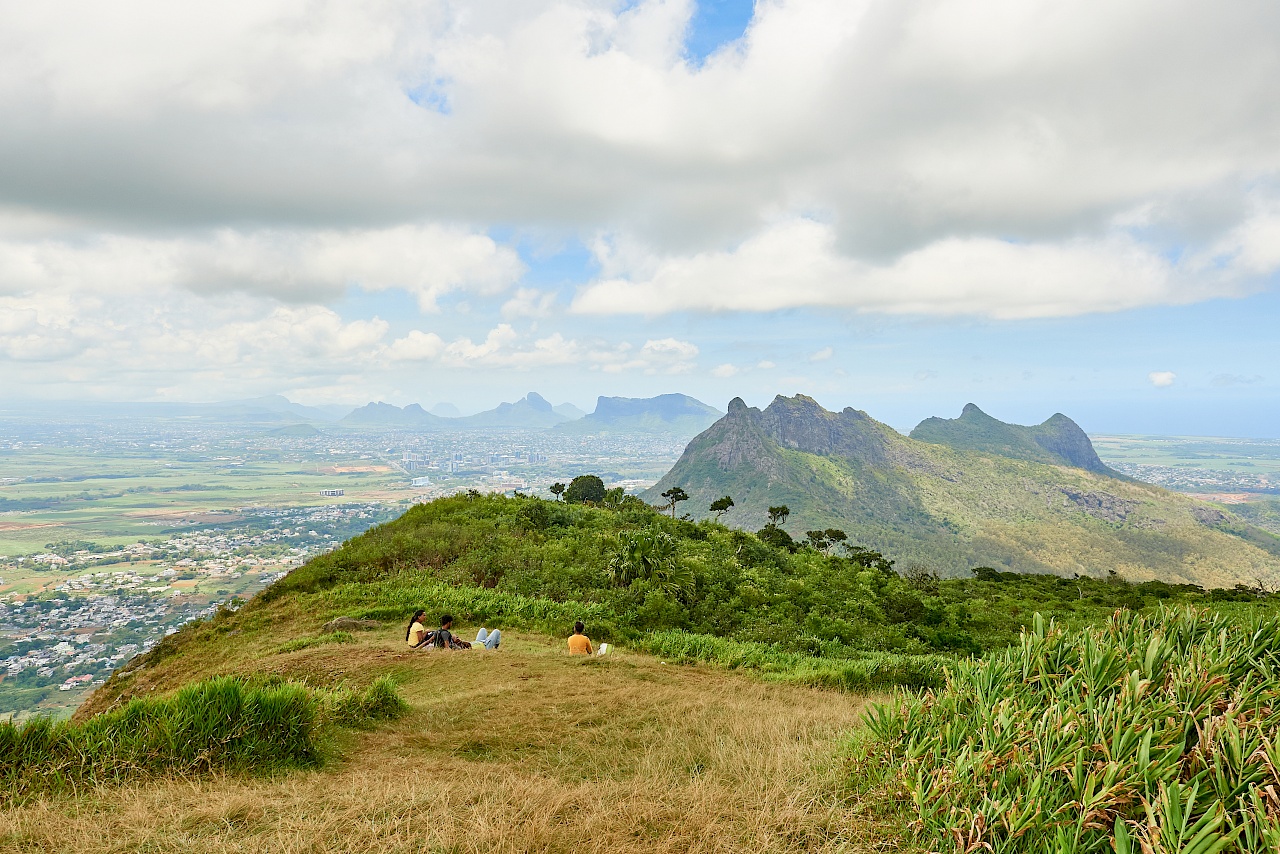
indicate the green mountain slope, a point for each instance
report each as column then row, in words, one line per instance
column 978, row 493
column 1058, row 441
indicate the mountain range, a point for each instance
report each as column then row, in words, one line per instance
column 961, row 493
column 678, row 414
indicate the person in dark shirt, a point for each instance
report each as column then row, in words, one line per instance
column 444, row 638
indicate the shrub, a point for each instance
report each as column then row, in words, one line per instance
column 216, row 724
column 1155, row 733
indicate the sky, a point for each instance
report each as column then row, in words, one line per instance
column 896, row 205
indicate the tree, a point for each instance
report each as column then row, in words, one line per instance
column 674, row 496
column 778, row 515
column 585, row 489
column 557, row 489
column 825, row 541
column 721, row 506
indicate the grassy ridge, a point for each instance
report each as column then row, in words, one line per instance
column 1152, row 732
column 217, row 724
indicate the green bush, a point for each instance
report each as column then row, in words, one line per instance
column 216, row 724
column 1153, row 733
column 363, row 709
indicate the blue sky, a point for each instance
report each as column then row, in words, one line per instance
column 897, row 207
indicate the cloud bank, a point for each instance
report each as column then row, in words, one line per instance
column 1005, row 159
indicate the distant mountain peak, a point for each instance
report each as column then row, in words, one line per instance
column 677, row 414
column 538, row 402
column 1058, row 440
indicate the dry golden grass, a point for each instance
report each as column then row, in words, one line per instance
column 519, row 750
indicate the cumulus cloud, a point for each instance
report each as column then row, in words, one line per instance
column 529, row 302
column 798, row 263
column 724, row 371
column 926, row 156
column 907, row 123
column 505, row 347
column 295, row 265
column 1162, row 379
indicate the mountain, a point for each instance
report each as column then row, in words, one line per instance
column 678, row 414
column 532, row 410
column 568, row 410
column 1058, row 441
column 386, row 415
column 978, row 493
column 445, row 410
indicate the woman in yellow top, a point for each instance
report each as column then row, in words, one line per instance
column 417, row 635
column 580, row 644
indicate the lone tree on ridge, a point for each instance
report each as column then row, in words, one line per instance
column 721, row 506
column 674, row 496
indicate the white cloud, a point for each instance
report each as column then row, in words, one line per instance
column 529, row 302
column 798, row 263
column 1162, row 379
column 292, row 264
column 506, row 347
column 766, row 365
column 724, row 371
column 936, row 156
column 822, row 355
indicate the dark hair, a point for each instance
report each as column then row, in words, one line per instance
column 446, row 620
column 416, row 615
column 578, row 627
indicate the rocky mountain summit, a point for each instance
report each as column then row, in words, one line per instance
column 960, row 493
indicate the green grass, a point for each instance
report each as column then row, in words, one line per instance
column 1152, row 732
column 217, row 724
column 862, row 672
column 318, row 640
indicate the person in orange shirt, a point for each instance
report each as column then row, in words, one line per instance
column 580, row 644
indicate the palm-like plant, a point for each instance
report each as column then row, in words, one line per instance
column 650, row 556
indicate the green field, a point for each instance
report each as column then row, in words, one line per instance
column 1256, row 457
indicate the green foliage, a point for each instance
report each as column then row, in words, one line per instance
column 651, row 557
column 1153, row 733
column 674, row 496
column 365, row 709
column 585, row 489
column 721, row 506
column 528, row 563
column 216, row 724
column 865, row 671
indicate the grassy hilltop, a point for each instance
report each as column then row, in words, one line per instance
column 967, row 492
column 340, row 738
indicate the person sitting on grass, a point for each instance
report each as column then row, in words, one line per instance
column 487, row 639
column 444, row 638
column 417, row 635
column 580, row 644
